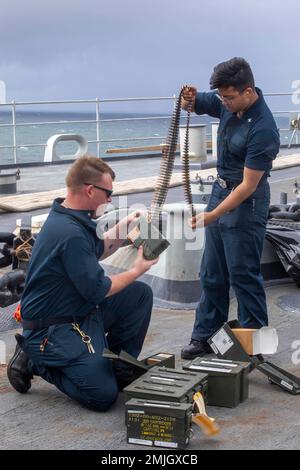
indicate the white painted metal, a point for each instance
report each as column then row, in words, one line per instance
column 214, row 138
column 197, row 142
column 181, row 260
column 2, row 92
column 50, row 150
column 13, row 110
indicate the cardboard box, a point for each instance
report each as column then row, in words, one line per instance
column 162, row 359
column 227, row 344
column 263, row 341
column 239, row 344
column 140, row 367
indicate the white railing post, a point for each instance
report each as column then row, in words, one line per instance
column 14, row 129
column 214, row 138
column 2, row 92
column 98, row 127
column 175, row 99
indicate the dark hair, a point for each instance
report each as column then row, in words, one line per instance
column 235, row 72
column 87, row 168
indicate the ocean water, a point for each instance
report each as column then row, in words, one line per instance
column 35, row 132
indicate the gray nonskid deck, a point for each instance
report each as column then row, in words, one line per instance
column 269, row 419
column 46, row 419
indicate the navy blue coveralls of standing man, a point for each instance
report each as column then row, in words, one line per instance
column 236, row 215
column 69, row 298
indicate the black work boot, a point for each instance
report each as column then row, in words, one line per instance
column 17, row 370
column 196, row 349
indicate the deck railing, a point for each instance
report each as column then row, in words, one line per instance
column 14, row 124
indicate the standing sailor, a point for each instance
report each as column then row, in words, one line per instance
column 236, row 216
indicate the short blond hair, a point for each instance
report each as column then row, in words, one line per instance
column 87, row 169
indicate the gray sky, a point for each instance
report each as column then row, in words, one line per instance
column 82, row 49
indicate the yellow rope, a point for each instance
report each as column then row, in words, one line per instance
column 23, row 251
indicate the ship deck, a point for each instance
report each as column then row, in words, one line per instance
column 46, row 419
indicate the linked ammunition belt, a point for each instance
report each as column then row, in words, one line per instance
column 167, row 164
column 151, row 239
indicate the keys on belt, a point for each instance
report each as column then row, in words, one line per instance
column 85, row 338
column 225, row 184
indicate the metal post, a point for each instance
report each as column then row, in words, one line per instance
column 295, row 131
column 14, row 129
column 174, row 102
column 283, row 198
column 98, row 127
column 214, row 138
column 2, row 92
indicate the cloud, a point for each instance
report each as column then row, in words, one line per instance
column 66, row 49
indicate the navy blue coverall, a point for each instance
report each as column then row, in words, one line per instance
column 234, row 242
column 65, row 279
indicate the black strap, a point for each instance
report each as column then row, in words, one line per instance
column 232, row 184
column 45, row 323
column 229, row 184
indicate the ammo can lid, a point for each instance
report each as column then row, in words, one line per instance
column 216, row 366
column 166, row 383
column 159, row 404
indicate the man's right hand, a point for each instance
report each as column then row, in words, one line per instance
column 122, row 280
column 189, row 94
column 141, row 265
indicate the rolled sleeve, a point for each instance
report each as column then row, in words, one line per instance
column 262, row 149
column 208, row 103
column 82, row 267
